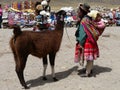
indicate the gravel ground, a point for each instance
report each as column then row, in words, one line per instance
column 106, row 68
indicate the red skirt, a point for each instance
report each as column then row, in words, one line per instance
column 91, row 52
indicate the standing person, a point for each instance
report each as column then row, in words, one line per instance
column 87, row 42
column 83, row 9
column 1, row 13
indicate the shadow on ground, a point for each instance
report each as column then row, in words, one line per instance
column 59, row 75
column 96, row 70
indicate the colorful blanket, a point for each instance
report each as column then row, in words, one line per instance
column 90, row 30
column 86, row 31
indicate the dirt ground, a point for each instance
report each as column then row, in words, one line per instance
column 106, row 74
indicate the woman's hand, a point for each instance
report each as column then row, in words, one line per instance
column 78, row 44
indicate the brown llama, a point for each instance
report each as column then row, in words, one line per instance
column 39, row 44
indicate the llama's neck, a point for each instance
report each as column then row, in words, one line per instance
column 59, row 30
column 59, row 26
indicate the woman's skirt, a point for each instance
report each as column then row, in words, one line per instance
column 90, row 51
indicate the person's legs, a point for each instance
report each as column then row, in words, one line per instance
column 88, row 70
column 89, row 67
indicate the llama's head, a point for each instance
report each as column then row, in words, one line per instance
column 60, row 15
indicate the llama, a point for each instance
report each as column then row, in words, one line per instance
column 39, row 44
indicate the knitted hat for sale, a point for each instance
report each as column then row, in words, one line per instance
column 44, row 3
column 39, row 7
column 43, row 13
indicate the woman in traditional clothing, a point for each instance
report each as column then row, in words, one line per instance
column 82, row 11
column 87, row 36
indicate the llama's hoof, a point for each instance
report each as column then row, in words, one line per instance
column 44, row 78
column 26, row 87
column 55, row 79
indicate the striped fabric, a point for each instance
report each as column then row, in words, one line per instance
column 89, row 28
column 78, row 53
column 90, row 51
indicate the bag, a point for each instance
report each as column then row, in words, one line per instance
column 77, row 31
column 81, row 35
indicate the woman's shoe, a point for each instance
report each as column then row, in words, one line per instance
column 86, row 75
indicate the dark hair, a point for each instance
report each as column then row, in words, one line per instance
column 84, row 12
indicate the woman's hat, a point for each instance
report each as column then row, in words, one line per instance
column 39, row 7
column 93, row 14
column 85, row 7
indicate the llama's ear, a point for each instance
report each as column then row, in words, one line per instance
column 64, row 13
column 61, row 12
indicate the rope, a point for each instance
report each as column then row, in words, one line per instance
column 81, row 62
column 68, row 36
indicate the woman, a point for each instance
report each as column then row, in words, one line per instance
column 83, row 9
column 87, row 43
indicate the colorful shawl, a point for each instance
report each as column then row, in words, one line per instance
column 90, row 30
column 85, row 31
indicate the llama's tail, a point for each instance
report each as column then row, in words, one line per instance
column 16, row 30
column 13, row 49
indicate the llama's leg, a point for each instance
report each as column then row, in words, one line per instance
column 45, row 63
column 52, row 63
column 20, row 65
